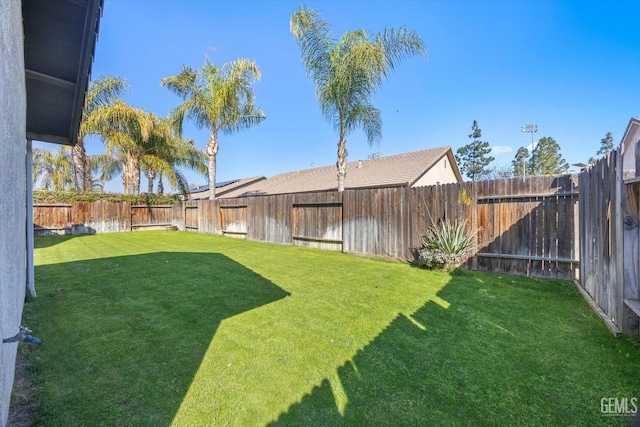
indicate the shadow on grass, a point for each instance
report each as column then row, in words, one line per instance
column 52, row 240
column 124, row 336
column 507, row 351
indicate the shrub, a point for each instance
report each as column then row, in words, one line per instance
column 69, row 197
column 446, row 244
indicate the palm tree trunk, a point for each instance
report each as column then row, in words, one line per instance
column 132, row 169
column 212, row 150
column 135, row 175
column 341, row 164
column 125, row 178
column 151, row 175
column 160, row 184
column 79, row 166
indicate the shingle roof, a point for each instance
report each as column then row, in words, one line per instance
column 223, row 188
column 389, row 171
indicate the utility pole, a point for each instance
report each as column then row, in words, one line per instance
column 531, row 129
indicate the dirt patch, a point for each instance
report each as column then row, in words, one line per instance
column 23, row 405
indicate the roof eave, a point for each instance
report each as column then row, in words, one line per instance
column 56, row 92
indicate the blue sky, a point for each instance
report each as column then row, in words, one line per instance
column 571, row 67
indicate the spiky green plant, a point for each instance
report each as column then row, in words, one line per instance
column 446, row 244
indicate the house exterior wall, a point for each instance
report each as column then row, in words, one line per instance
column 440, row 173
column 13, row 190
column 629, row 148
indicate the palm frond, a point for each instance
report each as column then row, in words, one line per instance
column 315, row 38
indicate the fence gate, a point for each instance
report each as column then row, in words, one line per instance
column 527, row 226
column 318, row 225
column 151, row 216
column 233, row 219
column 191, row 216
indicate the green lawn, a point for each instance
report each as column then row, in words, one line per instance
column 171, row 328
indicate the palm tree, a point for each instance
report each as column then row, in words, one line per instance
column 220, row 99
column 125, row 131
column 101, row 94
column 143, row 141
column 101, row 168
column 166, row 154
column 347, row 72
column 55, row 168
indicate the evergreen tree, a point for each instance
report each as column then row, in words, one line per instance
column 473, row 158
column 546, row 158
column 519, row 164
column 606, row 145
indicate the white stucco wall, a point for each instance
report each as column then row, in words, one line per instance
column 12, row 190
column 440, row 173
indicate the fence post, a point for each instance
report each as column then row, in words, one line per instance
column 474, row 224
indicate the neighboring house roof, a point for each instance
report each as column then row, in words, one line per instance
column 389, row 171
column 59, row 44
column 223, row 188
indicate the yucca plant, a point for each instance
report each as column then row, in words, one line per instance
column 445, row 244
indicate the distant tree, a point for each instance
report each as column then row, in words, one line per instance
column 499, row 172
column 220, row 99
column 474, row 157
column 546, row 158
column 99, row 171
column 347, row 72
column 520, row 165
column 55, row 168
column 167, row 151
column 606, row 145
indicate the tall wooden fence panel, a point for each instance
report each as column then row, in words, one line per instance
column 191, row 213
column 317, row 221
column 602, row 240
column 631, row 267
column 151, row 216
column 610, row 247
column 233, row 218
column 390, row 222
column 375, row 222
column 103, row 217
column 269, row 219
column 528, row 226
column 51, row 218
column 434, row 204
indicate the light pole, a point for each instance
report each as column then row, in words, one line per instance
column 531, row 129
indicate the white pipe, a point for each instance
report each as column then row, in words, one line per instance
column 31, row 287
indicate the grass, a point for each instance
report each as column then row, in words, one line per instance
column 167, row 328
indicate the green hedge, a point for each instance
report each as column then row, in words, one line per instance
column 69, row 197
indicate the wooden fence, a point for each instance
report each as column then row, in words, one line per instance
column 609, row 250
column 100, row 217
column 528, row 226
